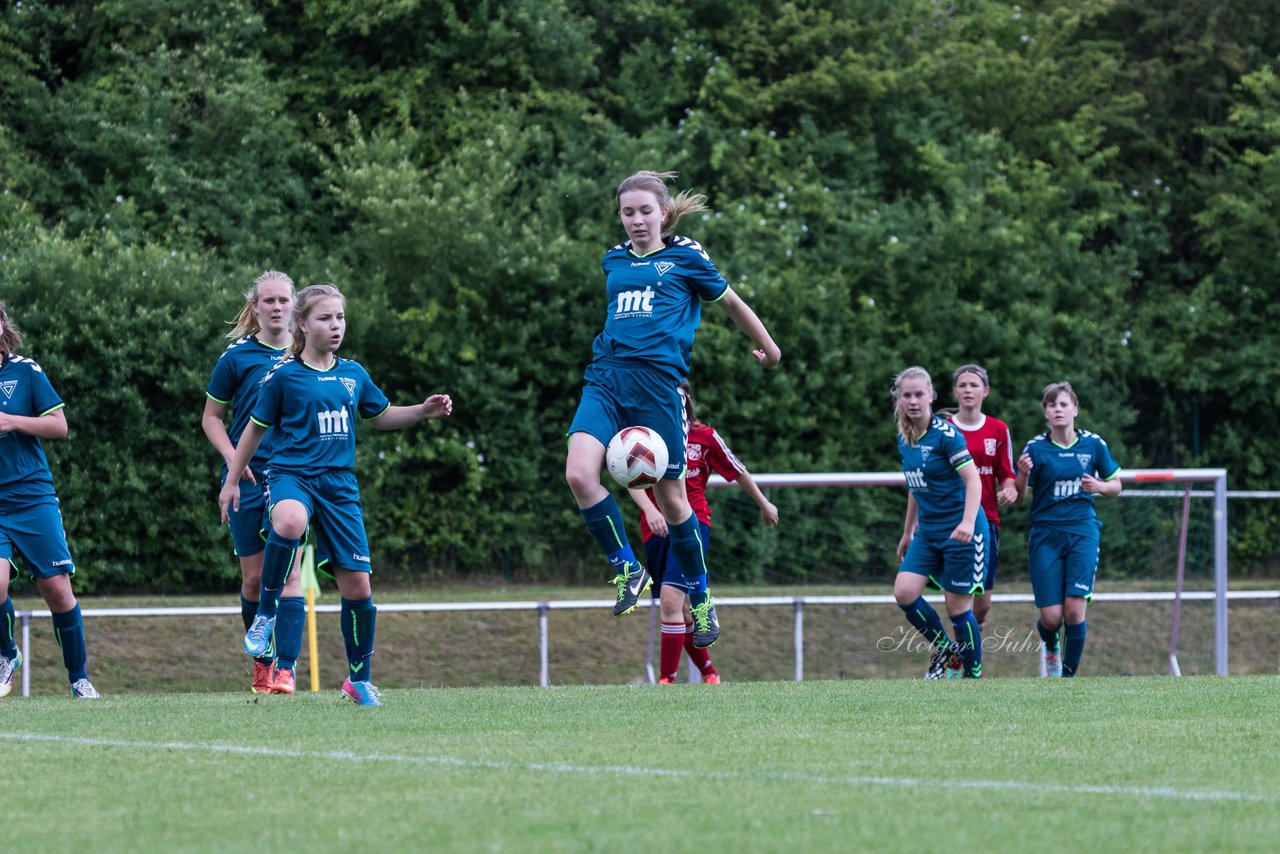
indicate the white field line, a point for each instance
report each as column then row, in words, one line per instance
column 1141, row 792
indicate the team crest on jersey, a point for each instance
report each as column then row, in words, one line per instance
column 1084, row 459
column 350, row 384
column 663, row 266
column 8, row 387
column 924, row 453
column 989, row 445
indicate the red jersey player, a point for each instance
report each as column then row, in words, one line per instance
column 706, row 453
column 992, row 451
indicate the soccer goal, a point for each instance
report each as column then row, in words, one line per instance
column 1161, row 599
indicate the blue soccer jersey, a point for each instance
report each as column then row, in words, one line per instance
column 235, row 381
column 24, row 391
column 313, row 414
column 1057, row 498
column 932, row 466
column 655, row 304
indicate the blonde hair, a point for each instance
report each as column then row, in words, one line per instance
column 1052, row 390
column 10, row 337
column 907, row 428
column 246, row 322
column 303, row 302
column 686, row 202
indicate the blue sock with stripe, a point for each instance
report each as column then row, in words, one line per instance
column 291, row 617
column 605, row 523
column 68, row 628
column 359, row 620
column 277, row 560
column 921, row 615
column 686, row 546
column 1074, row 648
column 1050, row 638
column 969, row 637
column 8, row 644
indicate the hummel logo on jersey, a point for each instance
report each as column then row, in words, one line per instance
column 1084, row 460
column 8, row 387
column 663, row 266
column 635, row 302
column 350, row 384
column 334, row 423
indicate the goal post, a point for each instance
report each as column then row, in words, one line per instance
column 1152, row 484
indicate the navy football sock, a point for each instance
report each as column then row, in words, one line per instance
column 359, row 621
column 969, row 637
column 8, row 645
column 68, row 628
column 277, row 560
column 1050, row 638
column 686, row 546
column 1074, row 648
column 291, row 617
column 604, row 522
column 921, row 615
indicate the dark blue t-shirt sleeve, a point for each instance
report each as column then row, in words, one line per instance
column 44, row 398
column 372, row 402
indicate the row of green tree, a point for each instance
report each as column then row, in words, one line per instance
column 1076, row 189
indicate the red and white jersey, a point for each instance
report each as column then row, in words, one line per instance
column 705, row 453
column 992, row 451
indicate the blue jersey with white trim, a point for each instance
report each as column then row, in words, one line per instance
column 932, row 466
column 236, row 378
column 24, row 391
column 313, row 414
column 1058, row 499
column 655, row 304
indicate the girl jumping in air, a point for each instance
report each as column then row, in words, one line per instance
column 655, row 284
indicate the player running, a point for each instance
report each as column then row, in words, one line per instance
column 992, row 450
column 260, row 339
column 311, row 401
column 1065, row 468
column 30, row 517
column 705, row 452
column 655, row 284
column 945, row 532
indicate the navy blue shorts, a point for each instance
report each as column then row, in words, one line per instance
column 616, row 397
column 1062, row 564
column 33, row 530
column 333, row 507
column 663, row 564
column 951, row 566
column 249, row 522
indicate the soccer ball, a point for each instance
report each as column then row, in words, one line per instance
column 637, row 457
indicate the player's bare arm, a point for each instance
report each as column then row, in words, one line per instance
column 745, row 319
column 395, row 417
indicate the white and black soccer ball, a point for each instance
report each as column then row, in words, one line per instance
column 637, row 457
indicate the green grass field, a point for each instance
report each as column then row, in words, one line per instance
column 1116, row 764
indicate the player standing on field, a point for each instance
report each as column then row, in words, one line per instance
column 1065, row 468
column 260, row 340
column 945, row 532
column 992, row 450
column 30, row 518
column 655, row 285
column 705, row 451
column 311, row 401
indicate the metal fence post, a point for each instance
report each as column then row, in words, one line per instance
column 543, row 676
column 799, row 638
